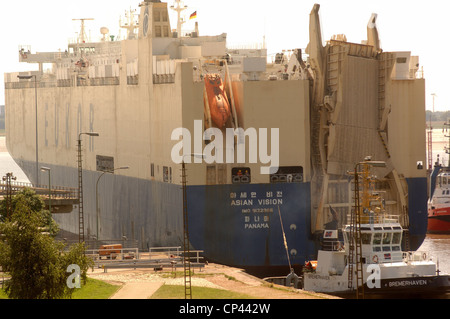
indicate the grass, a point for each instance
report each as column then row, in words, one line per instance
column 94, row 289
column 177, row 292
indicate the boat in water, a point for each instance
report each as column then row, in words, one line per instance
column 439, row 202
column 276, row 136
column 370, row 259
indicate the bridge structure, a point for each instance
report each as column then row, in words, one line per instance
column 60, row 199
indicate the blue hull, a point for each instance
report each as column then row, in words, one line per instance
column 418, row 215
column 240, row 224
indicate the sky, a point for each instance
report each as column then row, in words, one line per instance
column 417, row 26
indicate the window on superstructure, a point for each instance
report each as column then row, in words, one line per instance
column 165, row 174
column 152, row 170
column 396, row 238
column 158, row 31
column 241, row 175
column 444, row 180
column 366, row 238
column 165, row 16
column 156, row 16
column 288, row 174
column 377, row 239
column 166, row 31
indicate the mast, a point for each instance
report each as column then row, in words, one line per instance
column 82, row 37
column 130, row 24
column 180, row 21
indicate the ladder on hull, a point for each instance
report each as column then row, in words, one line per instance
column 355, row 244
column 186, row 249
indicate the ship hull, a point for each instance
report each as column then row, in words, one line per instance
column 241, row 225
column 439, row 220
column 230, row 230
column 245, row 225
column 421, row 287
column 417, row 208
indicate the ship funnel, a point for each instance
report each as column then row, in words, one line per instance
column 372, row 33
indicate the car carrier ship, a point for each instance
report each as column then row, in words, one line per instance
column 276, row 138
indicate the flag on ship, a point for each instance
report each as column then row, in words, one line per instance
column 193, row 16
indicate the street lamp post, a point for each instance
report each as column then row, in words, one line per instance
column 96, row 194
column 80, row 187
column 46, row 169
column 8, row 179
column 28, row 77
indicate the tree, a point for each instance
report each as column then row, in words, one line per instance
column 36, row 204
column 36, row 262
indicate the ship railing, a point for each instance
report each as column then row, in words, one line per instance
column 411, row 256
column 332, row 245
column 371, row 218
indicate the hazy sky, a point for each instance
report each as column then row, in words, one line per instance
column 417, row 26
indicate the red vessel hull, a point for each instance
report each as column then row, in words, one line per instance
column 439, row 220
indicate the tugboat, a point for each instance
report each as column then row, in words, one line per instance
column 371, row 260
column 439, row 203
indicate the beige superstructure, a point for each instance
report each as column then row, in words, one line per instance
column 366, row 102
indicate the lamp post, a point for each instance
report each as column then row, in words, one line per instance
column 96, row 194
column 8, row 178
column 80, row 187
column 355, row 253
column 28, row 77
column 46, row 169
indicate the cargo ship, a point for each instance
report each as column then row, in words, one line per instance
column 266, row 143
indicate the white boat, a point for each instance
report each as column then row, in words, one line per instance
column 378, row 265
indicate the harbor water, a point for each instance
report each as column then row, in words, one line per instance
column 438, row 246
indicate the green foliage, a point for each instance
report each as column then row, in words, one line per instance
column 35, row 204
column 94, row 289
column 36, row 262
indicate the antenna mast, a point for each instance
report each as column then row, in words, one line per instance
column 82, row 37
column 180, row 20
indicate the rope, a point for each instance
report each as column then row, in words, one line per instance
column 284, row 238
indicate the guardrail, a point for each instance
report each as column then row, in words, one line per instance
column 157, row 258
column 56, row 192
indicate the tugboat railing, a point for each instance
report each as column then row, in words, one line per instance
column 372, row 218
